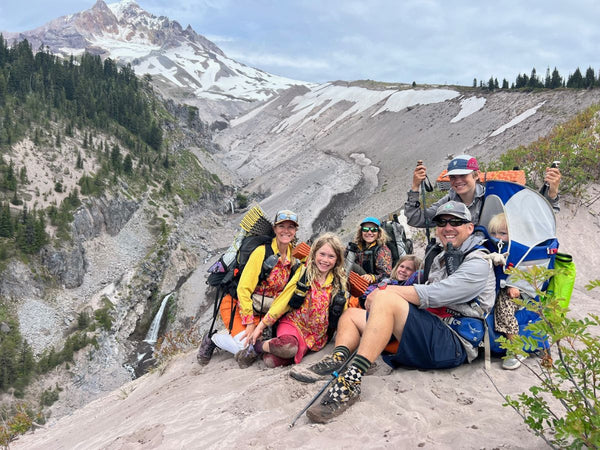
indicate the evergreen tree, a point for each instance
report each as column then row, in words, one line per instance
column 79, row 163
column 556, row 81
column 115, row 159
column 576, row 80
column 6, row 224
column 474, row 82
column 128, row 164
column 504, row 83
column 590, row 78
column 23, row 175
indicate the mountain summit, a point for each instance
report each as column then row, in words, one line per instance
column 183, row 63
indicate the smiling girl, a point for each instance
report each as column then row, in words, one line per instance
column 305, row 328
column 374, row 258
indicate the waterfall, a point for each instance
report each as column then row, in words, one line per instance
column 152, row 334
column 232, row 208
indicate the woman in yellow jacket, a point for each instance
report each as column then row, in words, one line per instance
column 305, row 328
column 239, row 315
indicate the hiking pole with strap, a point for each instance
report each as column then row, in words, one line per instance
column 334, row 376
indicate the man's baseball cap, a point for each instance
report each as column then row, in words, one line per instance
column 453, row 208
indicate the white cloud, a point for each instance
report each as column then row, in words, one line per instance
column 262, row 59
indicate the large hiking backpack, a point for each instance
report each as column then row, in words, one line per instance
column 398, row 242
column 224, row 274
column 532, row 233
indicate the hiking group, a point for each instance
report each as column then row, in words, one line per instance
column 284, row 300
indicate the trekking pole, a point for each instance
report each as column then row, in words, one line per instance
column 430, row 249
column 334, row 376
column 546, row 186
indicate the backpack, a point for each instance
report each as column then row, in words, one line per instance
column 398, row 243
column 225, row 273
column 228, row 279
column 532, row 230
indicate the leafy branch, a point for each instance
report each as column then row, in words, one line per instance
column 562, row 408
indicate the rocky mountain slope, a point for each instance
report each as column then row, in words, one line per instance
column 341, row 151
column 334, row 153
column 183, row 64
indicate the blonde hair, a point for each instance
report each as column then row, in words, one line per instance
column 382, row 237
column 415, row 260
column 339, row 274
column 496, row 223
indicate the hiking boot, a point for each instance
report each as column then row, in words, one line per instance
column 343, row 394
column 206, row 349
column 246, row 357
column 321, row 370
column 513, row 362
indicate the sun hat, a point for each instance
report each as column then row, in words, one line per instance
column 462, row 165
column 285, row 215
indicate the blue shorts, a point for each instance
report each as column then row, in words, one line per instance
column 427, row 343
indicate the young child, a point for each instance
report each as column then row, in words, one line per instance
column 303, row 329
column 505, row 309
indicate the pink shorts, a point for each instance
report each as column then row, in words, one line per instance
column 286, row 326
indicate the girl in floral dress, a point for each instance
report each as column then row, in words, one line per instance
column 303, row 329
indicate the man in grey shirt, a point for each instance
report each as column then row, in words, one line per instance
column 463, row 172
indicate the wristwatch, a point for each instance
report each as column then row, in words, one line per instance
column 382, row 285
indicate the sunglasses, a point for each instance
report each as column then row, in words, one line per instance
column 371, row 229
column 286, row 215
column 439, row 222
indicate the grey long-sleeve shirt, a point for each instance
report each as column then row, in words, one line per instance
column 416, row 216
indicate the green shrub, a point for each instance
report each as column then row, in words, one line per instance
column 562, row 407
column 103, row 316
column 241, row 200
column 49, row 396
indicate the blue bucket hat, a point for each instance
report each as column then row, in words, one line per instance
column 374, row 220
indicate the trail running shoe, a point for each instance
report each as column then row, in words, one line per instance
column 246, row 357
column 206, row 349
column 319, row 371
column 343, row 394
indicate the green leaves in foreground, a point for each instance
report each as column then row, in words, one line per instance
column 562, row 407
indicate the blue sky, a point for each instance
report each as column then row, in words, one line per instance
column 427, row 41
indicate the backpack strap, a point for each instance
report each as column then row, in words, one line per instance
column 268, row 263
column 336, row 308
column 302, row 288
column 369, row 256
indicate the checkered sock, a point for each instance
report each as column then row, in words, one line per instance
column 346, row 386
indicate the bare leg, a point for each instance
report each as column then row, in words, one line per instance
column 386, row 317
column 350, row 328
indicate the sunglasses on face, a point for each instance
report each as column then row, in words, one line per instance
column 439, row 222
column 286, row 216
column 371, row 229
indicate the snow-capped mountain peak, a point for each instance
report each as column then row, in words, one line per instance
column 182, row 62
